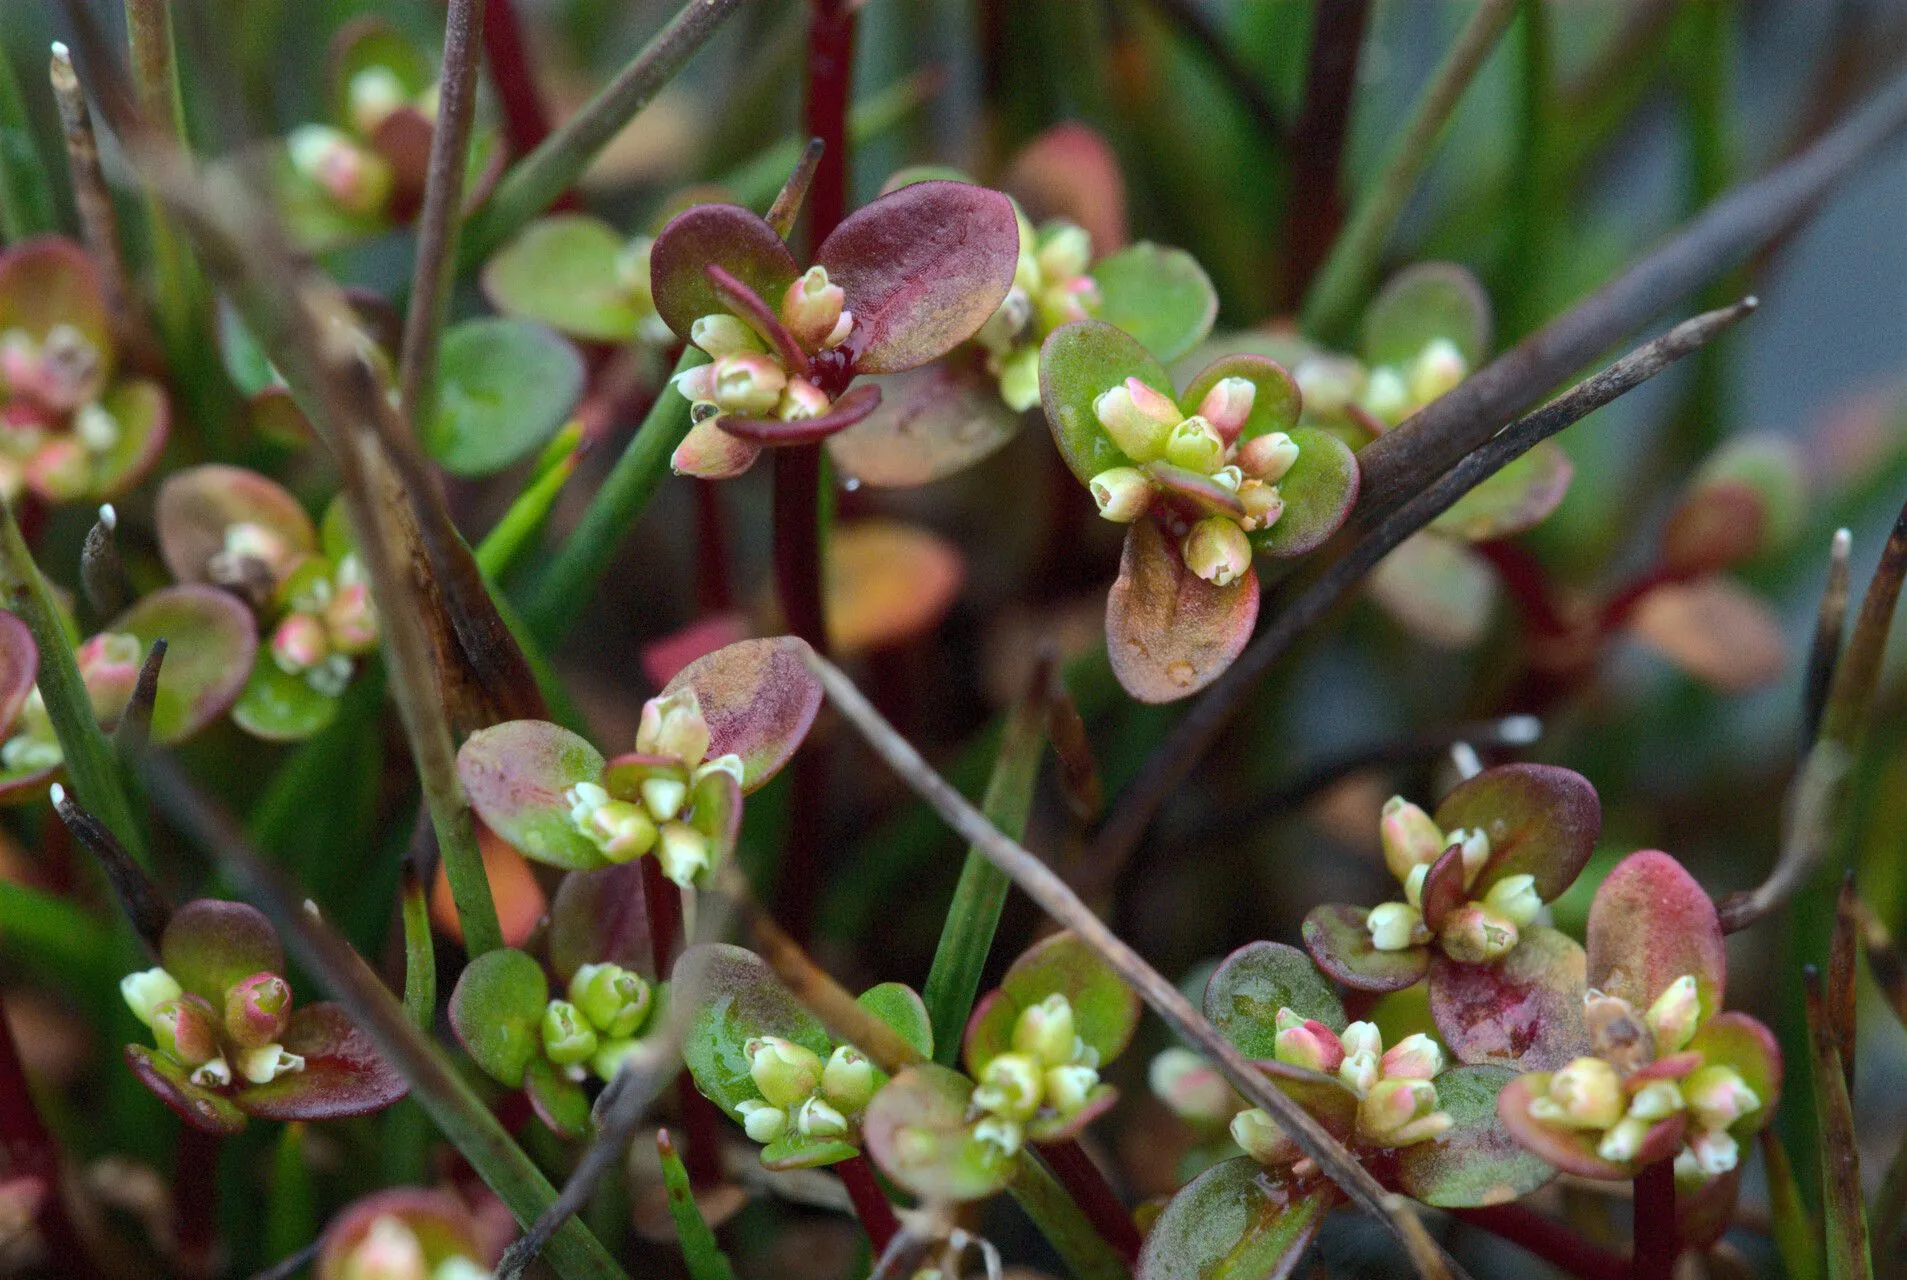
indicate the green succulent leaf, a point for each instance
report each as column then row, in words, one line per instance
column 597, row 917
column 1336, row 936
column 279, row 706
column 1319, row 492
column 209, row 944
column 1251, row 984
column 1736, row 1040
column 504, row 387
column 917, row 1130
column 196, row 506
column 1105, row 1009
column 1236, row 1221
column 900, row 1007
column 1476, row 1162
column 50, row 281
column 734, row 997
column 1514, row 500
column 496, row 1012
column 558, row 1101
column 563, row 271
column 1422, row 303
column 1078, row 363
column 1159, row 295
column 144, row 416
column 516, row 775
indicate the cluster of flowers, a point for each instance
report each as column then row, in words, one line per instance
column 748, row 379
column 53, row 428
column 1472, row 931
column 345, row 164
column 800, row 1092
column 328, row 621
column 1049, row 1070
column 599, row 1024
column 1388, row 393
column 239, row 1041
column 1050, row 287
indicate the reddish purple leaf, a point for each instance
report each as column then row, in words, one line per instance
column 923, row 267
column 1340, row 942
column 197, row 505
column 724, row 235
column 200, row 1108
column 516, row 775
column 1703, row 1215
column 758, row 314
column 598, row 917
column 19, row 668
column 211, row 643
column 1443, row 890
column 1542, row 821
column 1523, row 1011
column 857, row 404
column 1649, row 924
column 931, row 423
column 1192, row 494
column 1169, row 633
column 759, row 699
column 209, row 945
column 344, row 1074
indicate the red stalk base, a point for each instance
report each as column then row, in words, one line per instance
column 1657, row 1246
column 1094, row 1196
column 1549, row 1240
column 870, row 1203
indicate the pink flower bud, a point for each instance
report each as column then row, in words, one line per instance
column 1191, row 1087
column 802, row 400
column 356, row 180
column 390, row 1250
column 186, row 1030
column 1718, row 1097
column 1397, row 1113
column 1227, row 405
column 1309, row 1044
column 350, row 620
column 109, row 667
column 256, row 1009
column 697, row 384
column 1585, row 1094
column 1261, row 1138
column 59, row 470
column 299, row 643
column 1267, row 457
column 748, row 385
column 1138, row 419
column 1476, row 934
column 812, row 307
column 672, row 726
column 1410, row 838
column 1415, row 1057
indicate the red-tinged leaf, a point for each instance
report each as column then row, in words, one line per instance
column 1441, row 590
column 19, row 668
column 516, row 774
column 211, row 642
column 1169, row 633
column 1236, row 1221
column 1523, row 1011
column 851, row 408
column 918, row 1131
column 923, row 268
column 661, row 659
column 708, row 452
column 887, row 583
column 1159, row 295
column 1574, row 1150
column 1194, row 494
column 1736, row 1040
column 1443, row 890
column 1422, row 303
column 1703, row 1214
column 725, row 235
column 624, row 775
column 496, row 1012
column 1513, row 500
column 1080, row 362
column 143, row 413
column 1275, row 404
column 1069, row 171
column 1542, row 821
column 441, row 1222
column 198, row 505
column 1651, row 923
column 50, row 281
column 1747, row 500
column 200, row 1108
column 759, row 699
column 1245, row 992
column 1340, row 942
column 1105, row 1009
column 733, row 997
column 344, row 1074
column 598, row 917
column 1476, row 1162
column 558, row 1101
column 1716, row 630
column 209, row 945
column 1319, row 492
column 932, row 422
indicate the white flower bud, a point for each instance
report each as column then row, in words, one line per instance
column 1415, row 1057
column 684, row 853
column 802, row 401
column 1516, row 898
column 1674, row 1015
column 1217, row 550
column 1362, row 1037
column 1196, row 446
column 1122, row 494
column 1473, row 933
column 812, row 307
column 1437, row 370
column 762, row 1121
column 1476, row 850
column 1044, row 1031
column 1396, row 926
column 390, row 1250
column 1586, row 1094
column 748, row 384
column 267, row 1062
column 1262, row 502
column 1414, row 885
column 1065, row 251
column 1656, row 1100
column 672, row 725
column 1360, row 1071
column 1718, row 1097
column 1000, row 1133
column 724, row 335
column 1011, row 1086
column 1019, row 375
column 372, row 95
column 848, row 1079
column 817, row 1119
column 1190, row 1086
column 1386, row 396
column 1623, row 1142
column 664, row 796
column 1390, row 1114
column 567, row 1036
column 1067, row 1088
column 216, row 1074
column 147, row 990
column 1137, row 418
column 785, row 1072
column 1715, row 1151
column 1259, row 1137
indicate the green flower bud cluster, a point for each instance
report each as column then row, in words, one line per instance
column 804, row 1097
column 1473, row 932
column 31, row 744
column 239, row 1042
column 599, row 1024
column 659, row 814
column 1049, row 1073
column 1393, row 392
column 326, row 619
column 1396, row 1090
column 1239, row 477
column 1050, row 287
column 1652, row 1079
column 392, row 1250
column 59, row 434
column 632, row 273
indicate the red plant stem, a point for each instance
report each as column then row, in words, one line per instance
column 662, row 903
column 1317, row 141
column 870, row 1202
column 1656, row 1246
column 713, row 592
column 524, row 124
column 1523, row 577
column 1549, row 1240
column 1094, row 1196
column 32, row 1151
column 195, row 1197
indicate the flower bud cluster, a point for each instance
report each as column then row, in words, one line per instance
column 804, row 1097
column 328, row 620
column 1397, row 1096
column 391, row 1250
column 1642, row 1075
column 659, row 814
column 1050, row 287
column 599, row 1023
column 30, row 744
column 1049, row 1073
column 1151, row 429
column 56, row 435
column 1393, row 392
column 1476, row 931
column 239, row 1043
column 1192, row 1087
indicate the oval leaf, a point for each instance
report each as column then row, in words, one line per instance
column 1476, row 1162
column 1542, row 821
column 516, row 774
column 733, row 997
column 728, row 236
column 1105, row 1009
column 887, row 583
column 1276, row 402
column 1422, row 303
column 51, row 280
column 496, row 1011
column 598, row 917
column 1169, row 633
column 759, row 699
column 1319, row 492
column 931, row 423
column 1069, row 171
column 1513, row 500
column 918, row 1132
column 923, row 268
column 1159, row 295
column 278, row 706
column 1524, row 1011
column 198, row 505
column 1337, row 938
column 1250, row 985
column 1078, row 363
column 211, row 642
column 1716, row 630
column 344, row 1074
column 558, row 1101
column 209, row 945
column 200, row 1108
column 504, row 387
column 1649, row 924
column 1441, row 590
column 900, row 1007
column 1236, row 1221
column 19, row 669
column 144, row 415
column 563, row 271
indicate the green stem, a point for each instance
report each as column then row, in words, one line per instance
column 1349, row 271
column 979, row 897
column 519, row 526
column 26, row 207
column 1065, row 1227
column 420, row 958
column 562, row 590
column 1529, row 201
column 1790, row 1223
column 703, row 1256
column 535, row 183
column 89, row 761
column 291, row 1214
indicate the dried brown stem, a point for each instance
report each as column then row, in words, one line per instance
column 1044, row 887
column 134, row 729
column 145, row 905
column 99, row 224
column 787, row 206
column 1811, row 804
column 1830, row 625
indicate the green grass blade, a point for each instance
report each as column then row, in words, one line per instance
column 704, row 1256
